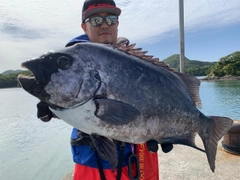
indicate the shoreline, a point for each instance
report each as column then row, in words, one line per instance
column 216, row 78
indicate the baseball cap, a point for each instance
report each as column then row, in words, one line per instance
column 91, row 7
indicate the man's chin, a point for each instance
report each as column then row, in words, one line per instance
column 106, row 41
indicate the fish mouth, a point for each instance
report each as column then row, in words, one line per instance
column 31, row 85
column 34, row 66
column 35, row 83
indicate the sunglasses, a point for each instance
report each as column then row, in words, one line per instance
column 98, row 20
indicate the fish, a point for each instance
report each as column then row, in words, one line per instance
column 118, row 92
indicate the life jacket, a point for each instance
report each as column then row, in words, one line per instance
column 87, row 166
column 78, row 39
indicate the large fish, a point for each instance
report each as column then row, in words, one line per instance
column 117, row 92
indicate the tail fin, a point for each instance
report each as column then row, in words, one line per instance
column 220, row 127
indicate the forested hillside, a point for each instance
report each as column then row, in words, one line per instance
column 227, row 65
column 10, row 80
column 193, row 67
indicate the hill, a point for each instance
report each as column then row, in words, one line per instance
column 9, row 79
column 193, row 67
column 227, row 66
column 11, row 72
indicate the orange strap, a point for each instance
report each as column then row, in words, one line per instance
column 148, row 163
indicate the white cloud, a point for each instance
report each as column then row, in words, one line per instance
column 151, row 19
column 33, row 27
column 14, row 52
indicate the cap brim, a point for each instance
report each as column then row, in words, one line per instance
column 112, row 10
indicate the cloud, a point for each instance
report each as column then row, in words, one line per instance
column 140, row 20
column 33, row 27
column 13, row 52
column 21, row 31
column 153, row 19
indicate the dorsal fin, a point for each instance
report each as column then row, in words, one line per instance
column 190, row 81
column 192, row 84
column 129, row 49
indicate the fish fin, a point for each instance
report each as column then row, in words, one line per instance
column 115, row 112
column 106, row 149
column 129, row 49
column 188, row 140
column 192, row 84
column 220, row 127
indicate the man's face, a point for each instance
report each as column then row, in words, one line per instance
column 101, row 34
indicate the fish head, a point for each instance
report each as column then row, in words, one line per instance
column 61, row 79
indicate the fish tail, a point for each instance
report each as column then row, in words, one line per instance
column 210, row 140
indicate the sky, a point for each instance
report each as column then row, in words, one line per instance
column 32, row 28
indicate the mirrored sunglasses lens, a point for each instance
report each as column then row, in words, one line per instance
column 111, row 20
column 96, row 21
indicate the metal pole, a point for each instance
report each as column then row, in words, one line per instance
column 181, row 27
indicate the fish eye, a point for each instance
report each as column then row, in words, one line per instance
column 64, row 62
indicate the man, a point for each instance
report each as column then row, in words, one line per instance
column 100, row 24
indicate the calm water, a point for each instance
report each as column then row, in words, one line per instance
column 221, row 98
column 29, row 148
column 33, row 150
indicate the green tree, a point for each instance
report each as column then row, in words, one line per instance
column 227, row 65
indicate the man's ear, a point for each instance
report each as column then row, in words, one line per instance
column 83, row 25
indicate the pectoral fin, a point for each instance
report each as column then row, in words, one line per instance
column 115, row 112
column 106, row 149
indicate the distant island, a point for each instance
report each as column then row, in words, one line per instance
column 227, row 68
column 8, row 79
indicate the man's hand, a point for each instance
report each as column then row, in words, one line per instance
column 122, row 40
column 44, row 113
column 166, row 147
column 152, row 146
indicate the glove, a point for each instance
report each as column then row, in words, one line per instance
column 152, row 146
column 166, row 147
column 44, row 113
column 122, row 40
